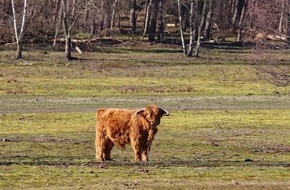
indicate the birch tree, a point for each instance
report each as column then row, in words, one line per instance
column 282, row 15
column 67, row 29
column 148, row 8
column 203, row 16
column 288, row 23
column 191, row 29
column 57, row 22
column 19, row 33
column 240, row 37
column 114, row 14
column 207, row 28
column 180, row 27
column 68, row 21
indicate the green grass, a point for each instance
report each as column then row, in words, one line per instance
column 138, row 80
column 228, row 128
column 192, row 146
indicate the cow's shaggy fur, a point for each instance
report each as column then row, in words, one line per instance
column 123, row 126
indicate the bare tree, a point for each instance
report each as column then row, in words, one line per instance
column 181, row 28
column 282, row 15
column 203, row 18
column 107, row 17
column 133, row 16
column 207, row 28
column 191, row 29
column 153, row 21
column 19, row 34
column 160, row 21
column 101, row 17
column 69, row 21
column 93, row 22
column 59, row 10
column 241, row 17
column 114, row 13
column 288, row 22
column 272, row 67
column 148, row 10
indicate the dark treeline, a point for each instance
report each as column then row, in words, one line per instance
column 228, row 18
column 48, row 21
column 186, row 22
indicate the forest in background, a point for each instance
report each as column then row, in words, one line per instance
column 239, row 20
column 78, row 24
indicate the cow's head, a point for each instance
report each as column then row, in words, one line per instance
column 152, row 114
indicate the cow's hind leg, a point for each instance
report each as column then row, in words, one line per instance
column 108, row 148
column 101, row 145
column 100, row 150
column 103, row 149
column 147, row 146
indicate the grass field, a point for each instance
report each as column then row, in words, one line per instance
column 228, row 128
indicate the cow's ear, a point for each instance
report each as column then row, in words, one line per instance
column 164, row 112
column 140, row 112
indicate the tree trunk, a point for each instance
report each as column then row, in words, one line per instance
column 86, row 11
column 288, row 23
column 133, row 16
column 280, row 28
column 107, row 18
column 235, row 15
column 191, row 28
column 56, row 14
column 153, row 21
column 57, row 24
column 19, row 50
column 180, row 27
column 147, row 17
column 240, row 37
column 113, row 14
column 161, row 21
column 68, row 48
column 66, row 31
column 19, row 36
column 93, row 23
column 207, row 28
column 203, row 16
column 238, row 13
column 73, row 6
column 101, row 18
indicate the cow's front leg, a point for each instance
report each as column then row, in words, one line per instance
column 108, row 148
column 147, row 147
column 146, row 150
column 137, row 149
column 145, row 154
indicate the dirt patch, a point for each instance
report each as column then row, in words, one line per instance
column 143, row 166
column 40, row 140
column 43, row 104
column 270, row 148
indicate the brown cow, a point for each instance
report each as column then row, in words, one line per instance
column 123, row 126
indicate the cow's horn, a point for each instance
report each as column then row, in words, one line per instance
column 164, row 112
column 139, row 111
